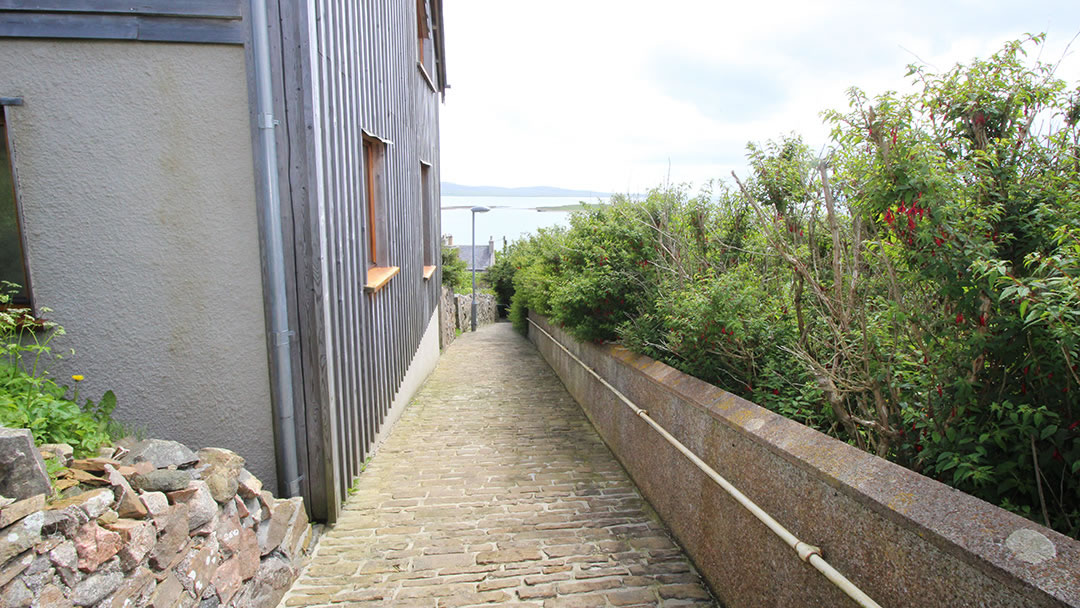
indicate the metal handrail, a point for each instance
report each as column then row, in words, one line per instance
column 806, row 552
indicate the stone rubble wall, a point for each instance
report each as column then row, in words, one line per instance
column 447, row 317
column 456, row 313
column 149, row 523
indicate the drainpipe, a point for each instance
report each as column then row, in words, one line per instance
column 280, row 356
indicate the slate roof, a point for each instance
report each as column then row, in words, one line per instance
column 483, row 256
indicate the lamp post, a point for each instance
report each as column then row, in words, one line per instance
column 475, row 210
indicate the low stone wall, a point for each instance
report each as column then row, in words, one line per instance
column 904, row 539
column 149, row 524
column 456, row 314
column 447, row 317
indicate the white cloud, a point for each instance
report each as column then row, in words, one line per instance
column 601, row 94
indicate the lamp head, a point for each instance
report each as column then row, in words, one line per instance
column 480, row 209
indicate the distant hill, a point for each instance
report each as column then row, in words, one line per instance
column 451, row 189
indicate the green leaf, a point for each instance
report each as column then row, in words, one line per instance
column 1048, row 431
column 1023, row 308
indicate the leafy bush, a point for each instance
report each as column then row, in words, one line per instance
column 454, row 273
column 30, row 399
column 915, row 293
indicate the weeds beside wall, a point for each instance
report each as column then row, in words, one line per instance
column 916, row 292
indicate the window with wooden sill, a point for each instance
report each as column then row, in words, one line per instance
column 380, row 271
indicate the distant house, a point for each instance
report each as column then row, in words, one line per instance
column 485, row 254
column 231, row 206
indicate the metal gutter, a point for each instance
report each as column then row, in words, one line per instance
column 280, row 356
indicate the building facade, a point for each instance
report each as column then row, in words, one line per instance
column 143, row 195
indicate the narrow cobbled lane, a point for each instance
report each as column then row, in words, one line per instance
column 494, row 489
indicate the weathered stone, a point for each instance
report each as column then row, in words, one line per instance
column 133, row 589
column 220, row 457
column 16, row 595
column 266, row 505
column 201, row 505
column 272, row 531
column 108, row 517
column 162, row 480
column 227, row 529
column 95, row 588
column 222, row 472
column 22, row 470
column 94, row 465
column 127, row 501
column 20, row 536
column 249, row 485
column 248, row 553
column 81, row 477
column 171, row 538
column 297, row 528
column 65, row 521
column 95, row 545
column 241, row 508
column 15, row 567
column 161, row 453
column 20, row 509
column 222, row 483
column 269, row 584
column 53, row 597
column 61, row 451
column 157, row 504
column 94, row 503
column 167, row 593
column 65, row 559
column 139, row 538
column 227, row 580
column 197, row 570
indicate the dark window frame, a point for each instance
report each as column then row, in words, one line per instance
column 7, row 150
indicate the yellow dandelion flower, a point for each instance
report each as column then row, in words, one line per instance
column 77, row 377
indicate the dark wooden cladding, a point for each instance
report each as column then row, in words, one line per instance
column 350, row 71
column 198, row 21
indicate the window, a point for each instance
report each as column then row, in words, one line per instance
column 379, row 270
column 427, row 206
column 425, row 52
column 12, row 260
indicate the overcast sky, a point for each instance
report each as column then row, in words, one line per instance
column 607, row 95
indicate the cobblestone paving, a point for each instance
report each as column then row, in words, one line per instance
column 494, row 489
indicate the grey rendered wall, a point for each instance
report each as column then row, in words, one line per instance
column 134, row 171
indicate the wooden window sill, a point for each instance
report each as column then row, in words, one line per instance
column 429, row 271
column 427, row 78
column 379, row 276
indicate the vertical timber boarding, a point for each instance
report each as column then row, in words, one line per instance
column 350, row 68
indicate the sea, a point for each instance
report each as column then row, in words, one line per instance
column 510, row 218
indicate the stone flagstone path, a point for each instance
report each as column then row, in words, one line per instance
column 494, row 489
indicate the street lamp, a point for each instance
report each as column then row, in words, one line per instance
column 475, row 210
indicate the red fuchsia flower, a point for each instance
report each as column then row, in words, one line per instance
column 1023, row 388
column 894, row 137
column 939, row 390
column 902, row 209
column 1072, row 427
column 1026, row 367
column 1057, row 456
column 889, row 217
column 911, row 223
column 938, row 241
column 959, row 318
column 918, row 447
column 776, row 391
column 982, row 320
